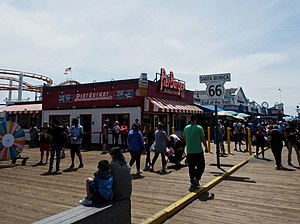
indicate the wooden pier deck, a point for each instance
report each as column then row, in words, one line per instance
column 254, row 194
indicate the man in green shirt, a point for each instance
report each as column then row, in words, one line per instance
column 194, row 135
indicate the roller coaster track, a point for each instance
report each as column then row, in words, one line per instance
column 37, row 89
column 25, row 85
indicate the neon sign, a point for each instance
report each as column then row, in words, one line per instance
column 170, row 85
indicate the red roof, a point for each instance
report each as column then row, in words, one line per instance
column 24, row 109
column 165, row 105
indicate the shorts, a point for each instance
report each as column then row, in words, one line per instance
column 44, row 147
column 105, row 139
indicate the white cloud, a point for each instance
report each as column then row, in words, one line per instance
column 257, row 41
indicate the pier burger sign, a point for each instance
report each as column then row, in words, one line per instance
column 170, row 85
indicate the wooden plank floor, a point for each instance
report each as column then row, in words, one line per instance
column 256, row 192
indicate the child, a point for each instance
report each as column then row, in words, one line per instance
column 99, row 189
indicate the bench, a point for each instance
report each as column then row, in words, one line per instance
column 116, row 213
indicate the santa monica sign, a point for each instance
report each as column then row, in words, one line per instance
column 215, row 84
column 215, row 78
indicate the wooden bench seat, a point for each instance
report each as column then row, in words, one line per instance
column 116, row 213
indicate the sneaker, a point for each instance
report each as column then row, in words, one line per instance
column 104, row 152
column 85, row 202
column 40, row 163
column 72, row 166
column 195, row 183
column 80, row 165
column 139, row 172
column 164, row 170
column 151, row 169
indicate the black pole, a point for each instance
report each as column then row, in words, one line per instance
column 216, row 136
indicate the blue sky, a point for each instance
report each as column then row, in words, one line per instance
column 256, row 41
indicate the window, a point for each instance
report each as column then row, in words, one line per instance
column 61, row 118
column 179, row 123
column 121, row 118
column 26, row 120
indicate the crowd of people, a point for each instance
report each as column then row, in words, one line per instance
column 112, row 180
column 262, row 135
column 55, row 138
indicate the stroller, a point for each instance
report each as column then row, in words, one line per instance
column 175, row 149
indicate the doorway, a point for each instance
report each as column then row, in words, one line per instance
column 86, row 122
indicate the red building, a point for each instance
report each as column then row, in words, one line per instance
column 165, row 100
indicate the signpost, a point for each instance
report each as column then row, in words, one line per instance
column 215, row 90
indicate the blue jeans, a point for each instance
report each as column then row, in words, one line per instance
column 55, row 149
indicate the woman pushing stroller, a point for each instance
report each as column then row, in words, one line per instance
column 175, row 149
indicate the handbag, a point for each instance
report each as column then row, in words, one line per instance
column 152, row 147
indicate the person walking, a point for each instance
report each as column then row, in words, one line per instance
column 124, row 133
column 220, row 137
column 237, row 135
column 194, row 136
column 66, row 133
column 116, row 133
column 260, row 141
column 34, row 135
column 76, row 134
column 276, row 141
column 137, row 122
column 292, row 137
column 44, row 143
column 104, row 136
column 135, row 147
column 56, row 135
column 148, row 141
column 159, row 147
column 122, row 186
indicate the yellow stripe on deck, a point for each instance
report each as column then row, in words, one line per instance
column 171, row 210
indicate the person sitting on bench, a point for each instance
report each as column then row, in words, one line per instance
column 120, row 169
column 100, row 188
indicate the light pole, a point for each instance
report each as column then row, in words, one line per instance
column 298, row 110
column 279, row 95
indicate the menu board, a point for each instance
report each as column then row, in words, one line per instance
column 124, row 94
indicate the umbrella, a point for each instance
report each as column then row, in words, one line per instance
column 239, row 117
column 227, row 113
column 291, row 118
column 243, row 115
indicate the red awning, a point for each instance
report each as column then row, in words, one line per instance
column 24, row 109
column 164, row 105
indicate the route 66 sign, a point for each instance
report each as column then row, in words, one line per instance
column 215, row 91
column 215, row 84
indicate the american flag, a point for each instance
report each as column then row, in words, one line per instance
column 67, row 70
